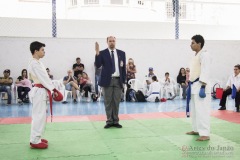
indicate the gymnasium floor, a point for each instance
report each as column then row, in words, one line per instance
column 151, row 131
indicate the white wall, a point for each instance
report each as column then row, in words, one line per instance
column 13, row 27
column 162, row 55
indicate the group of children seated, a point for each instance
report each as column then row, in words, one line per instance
column 166, row 88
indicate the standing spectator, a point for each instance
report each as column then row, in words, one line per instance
column 71, row 84
column 5, row 84
column 181, row 80
column 113, row 77
column 24, row 85
column 78, row 67
column 233, row 80
column 131, row 70
column 49, row 74
column 97, row 78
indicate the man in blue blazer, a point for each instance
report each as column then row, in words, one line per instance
column 112, row 79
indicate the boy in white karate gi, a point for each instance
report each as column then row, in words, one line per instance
column 153, row 92
column 200, row 92
column 168, row 87
column 39, row 95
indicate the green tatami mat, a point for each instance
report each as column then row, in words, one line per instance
column 156, row 139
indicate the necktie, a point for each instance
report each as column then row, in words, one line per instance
column 113, row 62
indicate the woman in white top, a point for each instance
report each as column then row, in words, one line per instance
column 153, row 92
column 24, row 85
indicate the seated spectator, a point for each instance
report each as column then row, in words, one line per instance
column 85, row 84
column 78, row 67
column 71, row 84
column 168, row 87
column 233, row 80
column 49, row 74
column 149, row 78
column 131, row 70
column 153, row 92
column 181, row 80
column 24, row 85
column 5, row 85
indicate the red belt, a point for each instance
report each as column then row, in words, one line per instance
column 49, row 96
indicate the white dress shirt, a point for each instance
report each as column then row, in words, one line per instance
column 234, row 80
column 116, row 73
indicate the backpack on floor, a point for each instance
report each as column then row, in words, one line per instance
column 131, row 95
column 140, row 96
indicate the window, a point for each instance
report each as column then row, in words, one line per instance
column 73, row 2
column 170, row 8
column 86, row 2
column 117, row 2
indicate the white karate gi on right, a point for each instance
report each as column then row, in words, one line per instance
column 38, row 97
column 200, row 108
column 153, row 91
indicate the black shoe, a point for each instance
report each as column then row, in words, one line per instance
column 64, row 102
column 173, row 97
column 74, row 101
column 237, row 110
column 117, row 125
column 25, row 100
column 108, row 126
column 222, row 108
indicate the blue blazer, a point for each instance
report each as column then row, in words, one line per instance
column 104, row 60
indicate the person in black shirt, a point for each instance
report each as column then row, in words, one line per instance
column 78, row 67
column 181, row 79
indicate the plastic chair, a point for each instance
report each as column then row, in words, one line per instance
column 58, row 84
column 136, row 84
column 12, row 93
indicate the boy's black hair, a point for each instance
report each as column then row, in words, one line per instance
column 237, row 66
column 154, row 78
column 78, row 58
column 166, row 73
column 199, row 39
column 36, row 46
